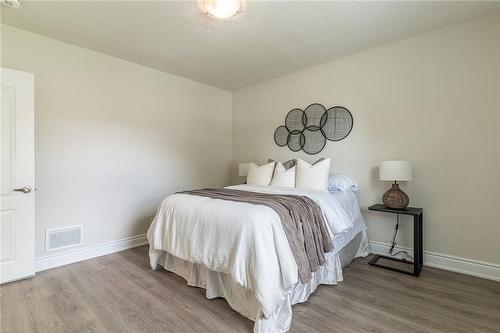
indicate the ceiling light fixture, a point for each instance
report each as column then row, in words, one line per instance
column 11, row 3
column 221, row 9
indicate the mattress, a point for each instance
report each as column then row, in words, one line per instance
column 349, row 203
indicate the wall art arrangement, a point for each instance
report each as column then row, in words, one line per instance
column 309, row 129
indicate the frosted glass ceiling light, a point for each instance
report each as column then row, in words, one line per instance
column 11, row 3
column 221, row 9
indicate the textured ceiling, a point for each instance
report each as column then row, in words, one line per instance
column 267, row 40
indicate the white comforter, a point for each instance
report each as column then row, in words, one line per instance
column 244, row 240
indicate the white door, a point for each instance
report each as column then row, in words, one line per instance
column 17, row 172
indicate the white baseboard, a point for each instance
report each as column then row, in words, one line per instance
column 450, row 263
column 432, row 259
column 85, row 253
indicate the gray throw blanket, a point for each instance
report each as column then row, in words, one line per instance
column 301, row 218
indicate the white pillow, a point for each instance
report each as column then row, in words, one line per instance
column 338, row 182
column 282, row 176
column 314, row 177
column 260, row 175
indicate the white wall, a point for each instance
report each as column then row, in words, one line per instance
column 433, row 100
column 114, row 138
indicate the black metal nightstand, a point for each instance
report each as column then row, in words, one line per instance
column 418, row 217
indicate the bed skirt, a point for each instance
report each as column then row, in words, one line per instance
column 243, row 300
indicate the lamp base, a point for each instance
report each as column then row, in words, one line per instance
column 395, row 198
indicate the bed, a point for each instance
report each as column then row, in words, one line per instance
column 239, row 251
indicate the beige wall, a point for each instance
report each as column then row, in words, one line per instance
column 114, row 138
column 433, row 100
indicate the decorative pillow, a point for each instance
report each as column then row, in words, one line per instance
column 260, row 175
column 314, row 177
column 282, row 176
column 319, row 160
column 288, row 164
column 338, row 182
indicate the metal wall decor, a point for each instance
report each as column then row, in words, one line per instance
column 309, row 129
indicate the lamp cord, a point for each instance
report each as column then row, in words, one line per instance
column 393, row 244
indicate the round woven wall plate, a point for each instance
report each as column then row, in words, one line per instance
column 281, row 136
column 336, row 123
column 309, row 130
column 313, row 114
column 296, row 141
column 314, row 141
column 294, row 121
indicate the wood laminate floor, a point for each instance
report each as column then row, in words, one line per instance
column 120, row 293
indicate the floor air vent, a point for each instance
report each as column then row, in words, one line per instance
column 61, row 238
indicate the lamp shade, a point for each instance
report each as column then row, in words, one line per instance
column 395, row 170
column 243, row 169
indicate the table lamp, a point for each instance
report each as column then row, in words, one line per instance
column 395, row 171
column 243, row 169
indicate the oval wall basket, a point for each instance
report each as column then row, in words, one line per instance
column 309, row 129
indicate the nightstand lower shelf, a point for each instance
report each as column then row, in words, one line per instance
column 418, row 235
column 416, row 268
